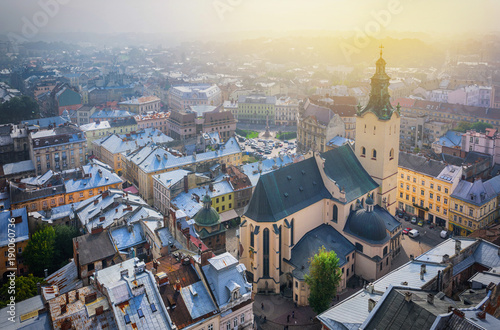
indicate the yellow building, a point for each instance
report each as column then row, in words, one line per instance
column 474, row 205
column 425, row 186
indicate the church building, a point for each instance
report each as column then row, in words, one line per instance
column 342, row 199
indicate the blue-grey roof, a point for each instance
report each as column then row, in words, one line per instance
column 125, row 237
column 287, row 190
column 41, row 321
column 127, row 142
column 185, row 202
column 267, row 165
column 373, row 226
column 421, row 164
column 166, row 237
column 161, row 159
column 477, row 193
column 447, row 247
column 66, row 278
column 198, row 304
column 343, row 167
column 224, row 274
column 168, row 179
column 19, row 167
column 451, row 139
column 21, row 228
column 120, row 290
column 339, row 141
column 45, row 122
column 99, row 177
column 56, row 213
column 103, row 114
column 311, row 242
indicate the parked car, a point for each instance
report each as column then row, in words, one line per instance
column 444, row 234
column 421, row 223
column 413, row 233
column 407, row 217
column 406, row 230
column 414, row 219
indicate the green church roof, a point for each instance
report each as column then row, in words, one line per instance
column 207, row 216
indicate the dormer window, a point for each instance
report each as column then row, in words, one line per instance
column 235, row 294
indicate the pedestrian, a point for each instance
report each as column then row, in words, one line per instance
column 262, row 306
column 293, row 314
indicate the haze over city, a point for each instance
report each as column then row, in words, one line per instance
column 249, row 164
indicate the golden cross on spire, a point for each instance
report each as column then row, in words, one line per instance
column 381, row 47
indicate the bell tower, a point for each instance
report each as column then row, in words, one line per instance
column 377, row 138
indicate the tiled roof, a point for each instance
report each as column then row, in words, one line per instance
column 312, row 241
column 224, row 274
column 94, row 247
column 420, row 164
column 285, row 191
column 343, row 167
column 20, row 226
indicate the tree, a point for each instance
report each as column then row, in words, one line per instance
column 39, row 253
column 25, row 288
column 18, row 109
column 63, row 244
column 323, row 279
column 480, row 126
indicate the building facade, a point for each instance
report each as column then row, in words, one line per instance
column 256, row 109
column 425, row 186
column 181, row 97
column 142, row 105
column 61, row 148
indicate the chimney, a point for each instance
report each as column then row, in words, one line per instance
column 96, row 201
column 446, row 259
column 458, row 313
column 211, row 187
column 77, row 295
column 370, row 287
column 430, row 298
column 205, row 255
column 423, row 269
column 458, row 247
column 481, row 315
column 371, row 304
column 408, row 296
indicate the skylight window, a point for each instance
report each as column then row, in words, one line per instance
column 127, row 319
column 140, row 313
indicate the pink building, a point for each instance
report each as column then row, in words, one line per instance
column 488, row 143
column 158, row 121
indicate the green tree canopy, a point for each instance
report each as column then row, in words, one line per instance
column 25, row 288
column 39, row 253
column 18, row 109
column 478, row 126
column 63, row 244
column 323, row 279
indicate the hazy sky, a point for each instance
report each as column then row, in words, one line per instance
column 208, row 16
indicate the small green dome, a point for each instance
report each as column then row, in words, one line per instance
column 207, row 216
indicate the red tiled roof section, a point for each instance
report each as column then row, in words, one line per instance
column 238, row 179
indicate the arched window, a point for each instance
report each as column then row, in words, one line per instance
column 252, row 236
column 374, row 154
column 363, row 152
column 391, row 154
column 335, row 213
column 374, row 129
column 265, row 255
column 385, row 250
column 365, row 128
column 291, row 232
column 362, row 202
